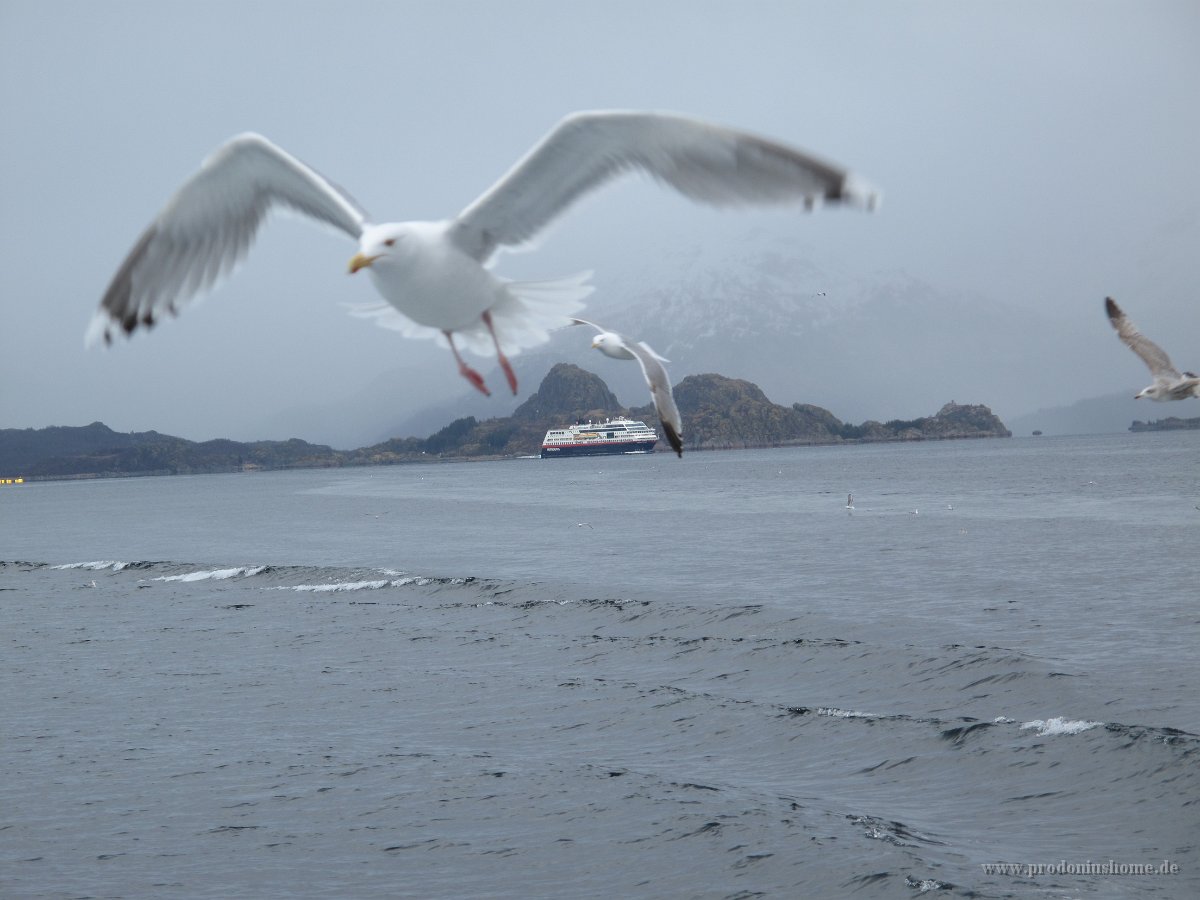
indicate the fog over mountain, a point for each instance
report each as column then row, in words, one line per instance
column 880, row 346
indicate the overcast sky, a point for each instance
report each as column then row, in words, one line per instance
column 1042, row 152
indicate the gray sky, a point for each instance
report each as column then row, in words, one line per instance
column 1042, row 153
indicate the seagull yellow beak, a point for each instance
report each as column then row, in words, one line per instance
column 360, row 261
column 595, row 342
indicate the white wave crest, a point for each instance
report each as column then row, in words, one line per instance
column 216, row 574
column 843, row 713
column 373, row 585
column 94, row 566
column 1059, row 725
column 335, row 586
column 420, row 580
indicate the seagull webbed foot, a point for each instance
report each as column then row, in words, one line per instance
column 504, row 363
column 475, row 378
column 509, row 373
column 466, row 371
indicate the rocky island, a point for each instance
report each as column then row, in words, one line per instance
column 1171, row 423
column 719, row 413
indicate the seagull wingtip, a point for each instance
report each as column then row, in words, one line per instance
column 859, row 192
column 98, row 330
column 673, row 438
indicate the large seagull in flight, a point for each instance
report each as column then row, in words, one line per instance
column 434, row 275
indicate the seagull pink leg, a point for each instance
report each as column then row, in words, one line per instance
column 504, row 363
column 466, row 371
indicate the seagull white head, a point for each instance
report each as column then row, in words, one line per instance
column 376, row 242
column 610, row 344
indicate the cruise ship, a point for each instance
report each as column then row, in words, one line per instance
column 619, row 435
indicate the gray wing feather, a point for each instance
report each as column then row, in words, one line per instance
column 207, row 227
column 660, row 391
column 705, row 162
column 586, row 322
column 1152, row 355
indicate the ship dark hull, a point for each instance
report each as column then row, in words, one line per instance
column 599, row 448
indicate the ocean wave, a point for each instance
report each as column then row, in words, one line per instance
column 1060, row 725
column 369, row 584
column 311, row 578
column 332, row 587
column 843, row 713
column 95, row 566
column 834, row 712
column 214, row 574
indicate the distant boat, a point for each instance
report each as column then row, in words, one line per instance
column 619, row 435
column 849, row 501
column 1037, row 434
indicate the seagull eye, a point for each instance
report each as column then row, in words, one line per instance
column 390, row 242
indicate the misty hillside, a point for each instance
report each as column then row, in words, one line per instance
column 1101, row 415
column 870, row 346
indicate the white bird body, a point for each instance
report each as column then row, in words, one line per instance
column 434, row 275
column 1169, row 383
column 429, row 278
column 618, row 346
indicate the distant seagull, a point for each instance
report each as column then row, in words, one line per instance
column 849, row 501
column 620, row 347
column 916, row 512
column 434, row 275
column 584, row 525
column 1169, row 384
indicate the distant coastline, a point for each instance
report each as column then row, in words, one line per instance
column 1171, row 423
column 719, row 413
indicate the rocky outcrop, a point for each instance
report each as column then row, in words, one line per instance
column 722, row 413
column 1171, row 423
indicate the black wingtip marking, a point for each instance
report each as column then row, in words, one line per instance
column 673, row 439
column 1110, row 306
column 129, row 323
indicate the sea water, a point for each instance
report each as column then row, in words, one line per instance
column 612, row 677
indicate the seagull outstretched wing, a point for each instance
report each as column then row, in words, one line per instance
column 705, row 162
column 208, row 225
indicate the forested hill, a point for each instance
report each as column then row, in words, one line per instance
column 718, row 413
column 64, row 452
